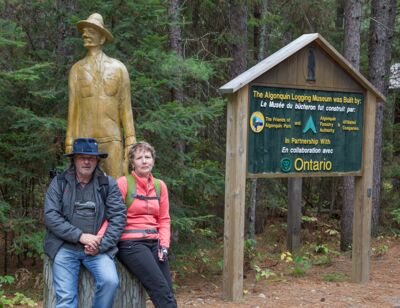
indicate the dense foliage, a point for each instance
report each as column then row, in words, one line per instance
column 39, row 43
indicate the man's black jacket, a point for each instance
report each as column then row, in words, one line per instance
column 59, row 208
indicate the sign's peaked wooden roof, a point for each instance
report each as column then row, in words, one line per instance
column 287, row 51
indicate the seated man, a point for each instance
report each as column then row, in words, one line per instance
column 77, row 203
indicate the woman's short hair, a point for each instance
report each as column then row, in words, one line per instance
column 141, row 146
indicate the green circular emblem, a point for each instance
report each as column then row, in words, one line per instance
column 286, row 164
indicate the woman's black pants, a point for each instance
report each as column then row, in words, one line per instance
column 140, row 257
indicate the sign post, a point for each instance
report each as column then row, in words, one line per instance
column 303, row 111
column 235, row 186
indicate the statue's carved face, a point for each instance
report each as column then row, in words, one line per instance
column 92, row 37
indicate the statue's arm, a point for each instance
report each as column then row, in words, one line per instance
column 126, row 108
column 72, row 110
column 126, row 115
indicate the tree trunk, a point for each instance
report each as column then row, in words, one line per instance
column 346, row 218
column 130, row 292
column 351, row 51
column 252, row 210
column 256, row 29
column 339, row 20
column 5, row 265
column 177, row 94
column 333, row 196
column 352, row 28
column 294, row 214
column 383, row 13
column 175, row 38
column 260, row 41
column 263, row 37
column 238, row 28
column 64, row 51
column 339, row 15
column 260, row 31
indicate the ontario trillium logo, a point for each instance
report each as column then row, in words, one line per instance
column 286, row 164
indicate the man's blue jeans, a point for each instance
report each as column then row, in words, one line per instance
column 66, row 267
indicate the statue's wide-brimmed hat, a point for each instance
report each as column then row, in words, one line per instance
column 86, row 146
column 95, row 21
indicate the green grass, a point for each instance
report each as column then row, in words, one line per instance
column 334, row 277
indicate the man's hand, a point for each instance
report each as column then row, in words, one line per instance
column 90, row 240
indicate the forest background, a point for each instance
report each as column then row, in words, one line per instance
column 178, row 53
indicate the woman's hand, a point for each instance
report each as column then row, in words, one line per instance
column 162, row 254
column 91, row 252
column 90, row 240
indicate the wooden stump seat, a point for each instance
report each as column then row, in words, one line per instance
column 130, row 292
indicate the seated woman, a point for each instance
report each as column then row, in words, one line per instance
column 144, row 244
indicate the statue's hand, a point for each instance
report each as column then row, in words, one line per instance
column 126, row 161
column 68, row 149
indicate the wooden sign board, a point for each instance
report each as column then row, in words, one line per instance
column 302, row 131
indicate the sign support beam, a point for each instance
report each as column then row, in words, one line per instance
column 363, row 199
column 235, row 187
